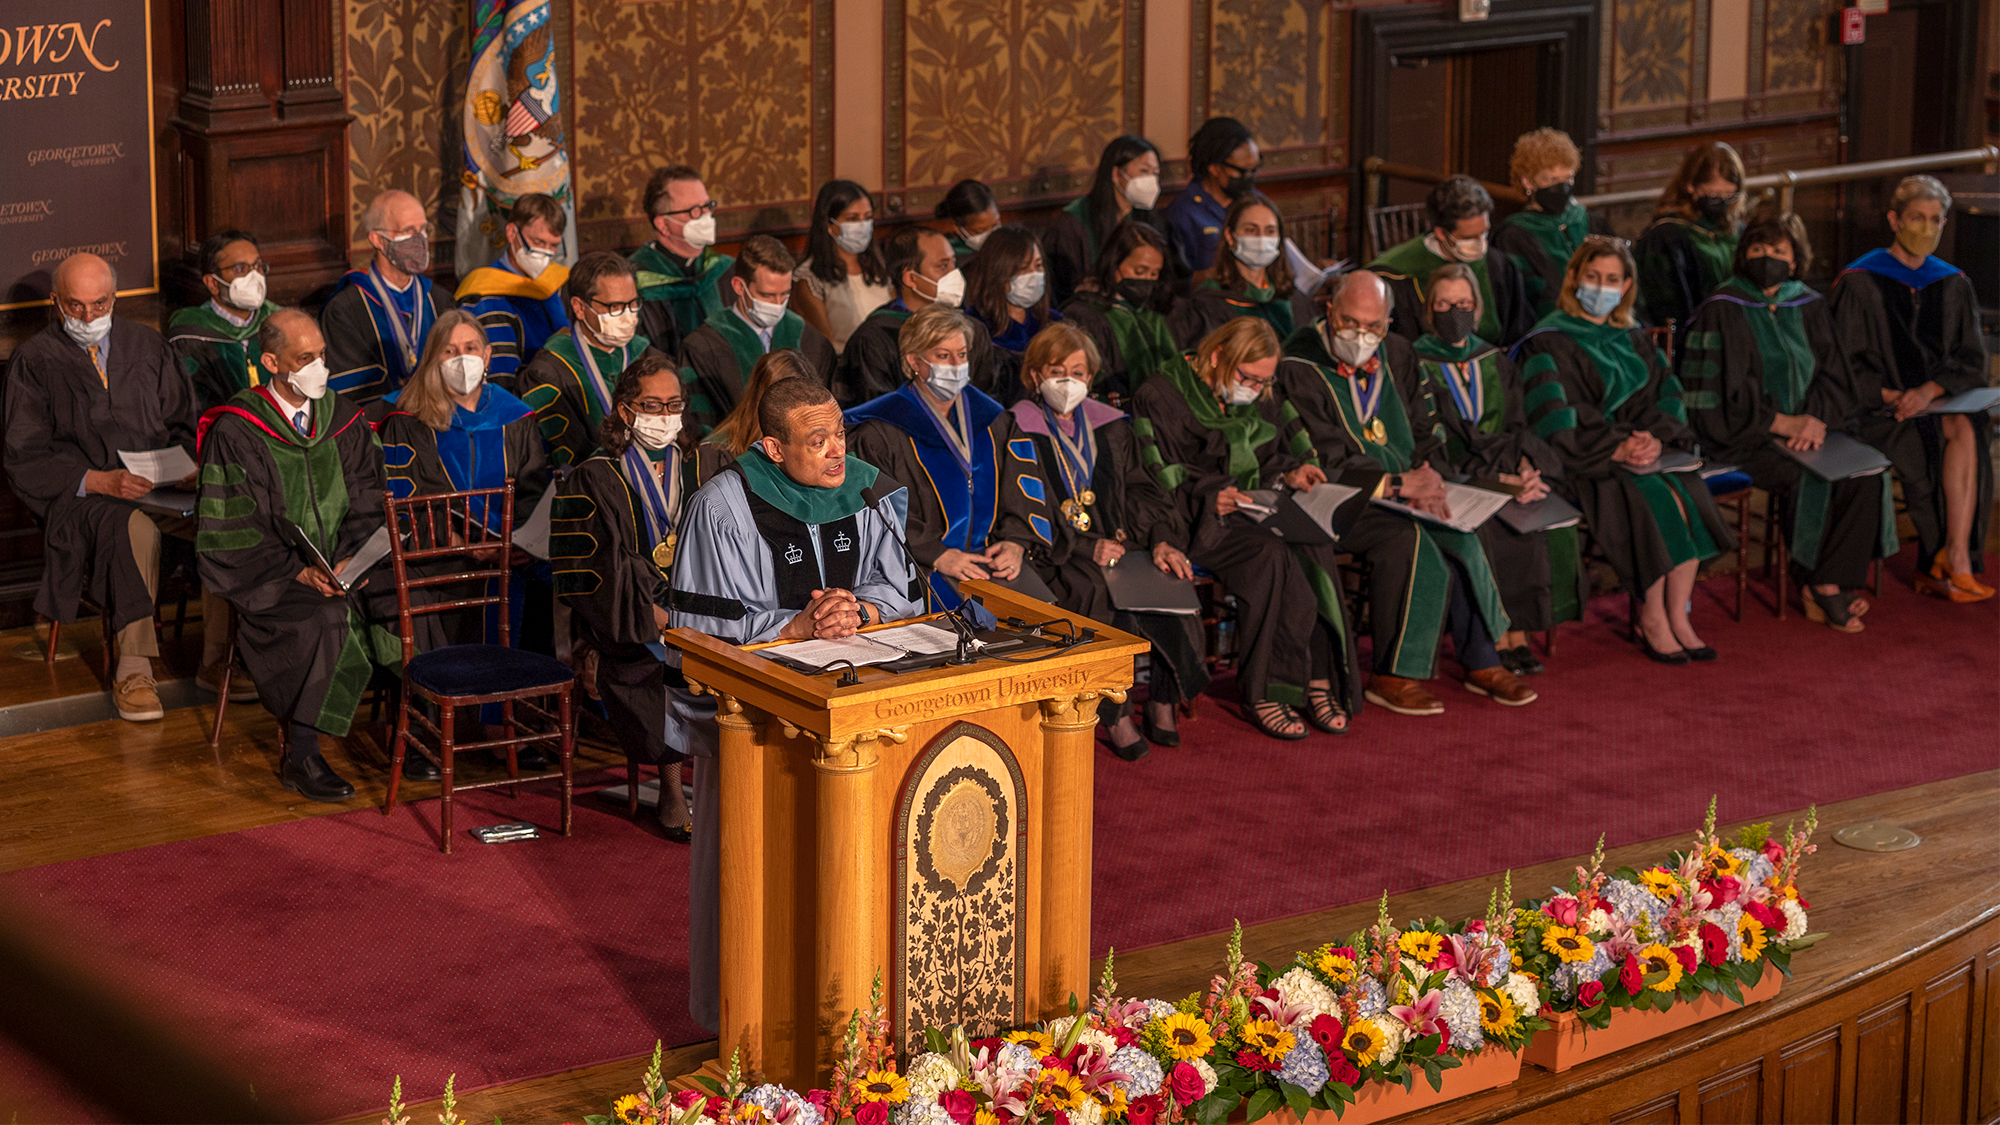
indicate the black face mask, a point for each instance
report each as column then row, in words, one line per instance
column 1766, row 271
column 1554, row 199
column 1240, row 185
column 1454, row 325
column 1137, row 290
column 1714, row 208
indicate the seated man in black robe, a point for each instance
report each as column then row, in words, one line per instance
column 1461, row 214
column 722, row 352
column 925, row 272
column 1909, row 323
column 80, row 391
column 283, row 465
column 376, row 323
column 797, row 539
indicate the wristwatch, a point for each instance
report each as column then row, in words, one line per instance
column 1395, row 484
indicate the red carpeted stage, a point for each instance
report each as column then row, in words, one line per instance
column 324, row 955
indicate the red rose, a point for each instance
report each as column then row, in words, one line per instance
column 1714, row 943
column 1251, row 1060
column 1764, row 912
column 1562, row 910
column 1547, row 1010
column 1443, row 962
column 1146, row 1110
column 1184, row 1082
column 992, row 1044
column 1059, row 1117
column 1124, row 1036
column 1590, row 995
column 1058, row 1062
column 1722, row 889
column 1338, row 1069
column 1773, row 851
column 872, row 1113
column 1476, row 926
column 1687, row 958
column 959, row 1104
column 686, row 1098
column 1346, row 951
column 819, row 1100
column 1327, row 1032
column 1632, row 975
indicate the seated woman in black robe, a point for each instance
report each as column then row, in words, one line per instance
column 1208, row 433
column 739, row 430
column 613, row 532
column 1125, row 188
column 1601, row 395
column 1109, row 512
column 1763, row 366
column 1687, row 251
column 1127, row 308
column 1252, row 277
column 1477, row 390
column 1007, row 293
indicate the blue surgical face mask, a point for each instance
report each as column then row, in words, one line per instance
column 1598, row 300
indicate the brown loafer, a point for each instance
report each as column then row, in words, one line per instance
column 137, row 699
column 1404, row 697
column 1500, row 685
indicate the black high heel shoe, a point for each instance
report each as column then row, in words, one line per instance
column 1158, row 736
column 1678, row 656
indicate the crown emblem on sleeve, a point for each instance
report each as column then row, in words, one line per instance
column 841, row 542
column 793, row 556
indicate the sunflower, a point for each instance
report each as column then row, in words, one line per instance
column 1335, row 967
column 1567, row 944
column 1058, row 1089
column 1657, row 958
column 1497, row 1014
column 1719, row 862
column 627, row 1109
column 1364, row 1040
column 1422, row 945
column 1188, row 1036
column 882, row 1086
column 1754, row 937
column 1039, row 1042
column 1660, row 881
column 984, row 1116
column 1113, row 1099
column 1267, row 1039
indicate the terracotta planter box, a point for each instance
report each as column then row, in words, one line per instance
column 1570, row 1042
column 1487, row 1070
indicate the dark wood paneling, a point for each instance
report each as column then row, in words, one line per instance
column 1734, row 1097
column 1881, row 1062
column 1664, row 1110
column 1988, row 1070
column 1808, row 1078
column 1947, row 1047
column 284, row 195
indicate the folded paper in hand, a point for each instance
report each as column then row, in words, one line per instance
column 161, row 466
column 1469, row 506
column 347, row 576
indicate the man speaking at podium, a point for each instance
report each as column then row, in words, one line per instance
column 795, row 540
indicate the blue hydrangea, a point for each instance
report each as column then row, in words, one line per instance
column 1142, row 1069
column 1460, row 1012
column 1305, row 1066
column 1727, row 918
column 773, row 1100
column 1634, row 902
column 922, row 1111
column 1018, row 1058
column 1756, row 868
column 1368, row 996
column 1570, row 977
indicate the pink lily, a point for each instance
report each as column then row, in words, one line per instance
column 1421, row 1017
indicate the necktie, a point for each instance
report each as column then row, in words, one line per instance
column 97, row 361
column 299, row 422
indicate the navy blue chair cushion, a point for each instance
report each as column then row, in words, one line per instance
column 486, row 670
column 1722, row 484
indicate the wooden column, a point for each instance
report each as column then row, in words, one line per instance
column 853, row 882
column 263, row 130
column 741, row 876
column 1068, row 791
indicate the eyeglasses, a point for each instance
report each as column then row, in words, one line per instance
column 1254, row 382
column 1455, row 306
column 243, row 269
column 1250, row 171
column 696, row 211
column 611, row 310
column 660, row 405
column 82, row 311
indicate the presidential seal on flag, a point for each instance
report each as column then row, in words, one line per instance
column 514, row 137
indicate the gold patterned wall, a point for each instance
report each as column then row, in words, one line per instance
column 1269, row 68
column 1659, row 49
column 405, row 78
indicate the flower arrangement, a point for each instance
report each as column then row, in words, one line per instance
column 1708, row 920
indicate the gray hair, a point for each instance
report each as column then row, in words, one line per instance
column 1914, row 188
column 1452, row 271
column 1331, row 289
column 375, row 216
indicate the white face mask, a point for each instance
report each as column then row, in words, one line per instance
column 310, row 380
column 948, row 379
column 617, row 329
column 1027, row 288
column 655, row 431
column 975, row 240
column 1063, row 393
column 1353, row 346
column 948, row 290
column 1468, row 249
column 87, row 332
column 1257, row 250
column 1142, row 191
column 534, row 262
column 855, row 237
column 764, row 314
column 1242, row 395
column 463, row 373
column 247, row 292
column 699, row 232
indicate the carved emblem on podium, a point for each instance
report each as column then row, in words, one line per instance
column 961, row 829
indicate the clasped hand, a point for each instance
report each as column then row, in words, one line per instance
column 1528, row 480
column 1640, row 448
column 1423, row 489
column 999, row 560
column 1914, row 401
column 1802, row 431
column 831, row 615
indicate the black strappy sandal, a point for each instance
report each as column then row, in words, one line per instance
column 1322, row 708
column 1264, row 712
column 1831, row 610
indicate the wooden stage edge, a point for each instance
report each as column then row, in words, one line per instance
column 1890, row 1018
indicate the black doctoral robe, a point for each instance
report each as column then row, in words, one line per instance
column 1899, row 329
column 363, row 350
column 872, row 363
column 1681, row 261
column 568, row 409
column 220, row 358
column 605, row 571
column 1128, row 507
column 724, row 351
column 1132, row 342
column 1750, row 358
column 263, row 487
column 1280, row 591
column 1588, row 388
column 64, row 421
column 1210, row 307
column 1507, row 310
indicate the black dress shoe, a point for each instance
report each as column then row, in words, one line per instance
column 1132, row 753
column 678, row 833
column 1158, row 736
column 416, row 767
column 1524, row 663
column 314, row 780
column 1678, row 656
column 1702, row 653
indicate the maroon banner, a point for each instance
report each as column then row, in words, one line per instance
column 76, row 143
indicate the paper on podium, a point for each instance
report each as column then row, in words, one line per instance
column 1469, row 506
column 1838, row 458
column 859, row 650
column 161, row 466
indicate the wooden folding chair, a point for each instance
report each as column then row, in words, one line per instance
column 430, row 537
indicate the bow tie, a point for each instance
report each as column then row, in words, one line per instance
column 1369, row 368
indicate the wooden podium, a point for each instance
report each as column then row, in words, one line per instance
column 933, row 824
